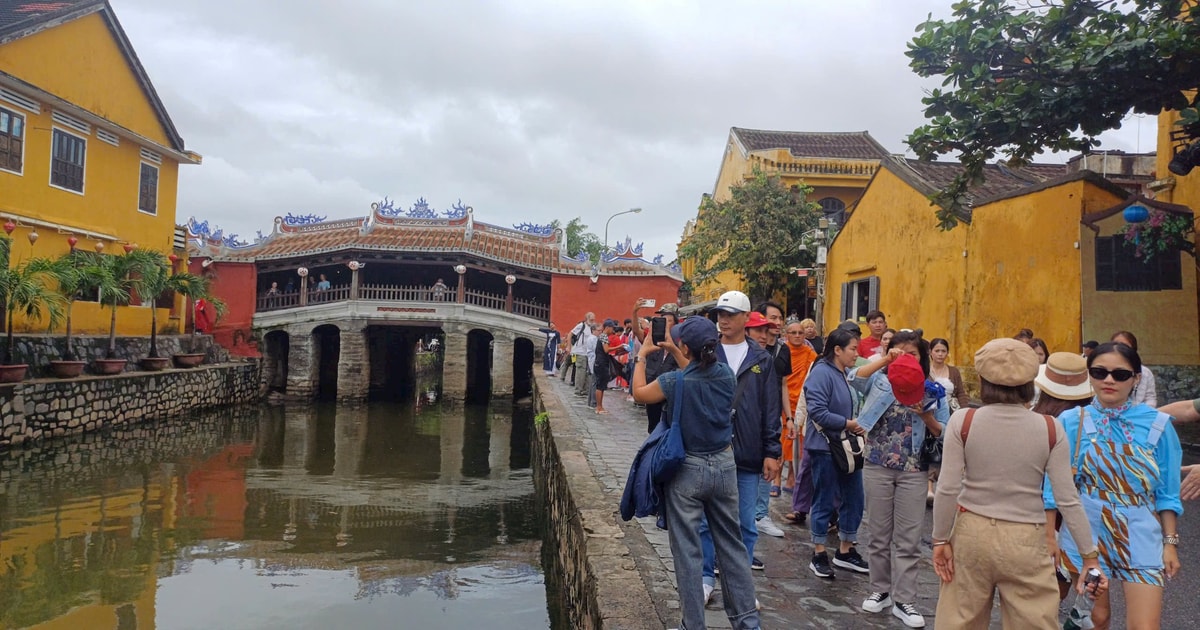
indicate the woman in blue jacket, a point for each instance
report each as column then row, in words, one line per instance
column 831, row 408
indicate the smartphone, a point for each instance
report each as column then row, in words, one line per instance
column 649, row 303
column 658, row 329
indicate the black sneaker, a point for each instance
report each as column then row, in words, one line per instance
column 757, row 564
column 820, row 565
column 851, row 560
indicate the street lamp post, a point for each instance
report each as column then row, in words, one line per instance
column 631, row 210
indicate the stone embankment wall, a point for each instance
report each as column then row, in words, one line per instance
column 39, row 350
column 595, row 576
column 39, row 409
column 1176, row 382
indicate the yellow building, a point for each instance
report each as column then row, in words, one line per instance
column 1039, row 248
column 87, row 150
column 837, row 165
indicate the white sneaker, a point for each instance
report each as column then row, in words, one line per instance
column 909, row 615
column 877, row 602
column 708, row 593
column 768, row 527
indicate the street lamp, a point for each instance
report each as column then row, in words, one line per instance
column 631, row 210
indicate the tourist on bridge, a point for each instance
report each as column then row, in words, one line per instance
column 705, row 488
column 550, row 352
column 439, row 291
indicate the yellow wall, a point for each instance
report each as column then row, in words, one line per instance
column 81, row 62
column 921, row 269
column 1164, row 321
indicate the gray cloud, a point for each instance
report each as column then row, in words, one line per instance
column 527, row 111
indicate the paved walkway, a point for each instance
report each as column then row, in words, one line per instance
column 791, row 596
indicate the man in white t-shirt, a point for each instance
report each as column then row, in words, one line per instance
column 577, row 349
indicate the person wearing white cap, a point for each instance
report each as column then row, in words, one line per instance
column 757, row 407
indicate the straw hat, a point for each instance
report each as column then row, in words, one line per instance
column 1065, row 377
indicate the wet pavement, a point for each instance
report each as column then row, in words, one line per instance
column 791, row 596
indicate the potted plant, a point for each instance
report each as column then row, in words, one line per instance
column 70, row 273
column 24, row 289
column 157, row 279
column 115, row 278
column 193, row 288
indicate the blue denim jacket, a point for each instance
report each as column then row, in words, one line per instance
column 877, row 391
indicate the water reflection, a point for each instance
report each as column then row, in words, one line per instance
column 306, row 517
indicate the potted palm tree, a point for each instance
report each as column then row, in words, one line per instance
column 116, row 279
column 70, row 273
column 156, row 279
column 193, row 288
column 24, row 289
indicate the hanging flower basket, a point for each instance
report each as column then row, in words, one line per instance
column 1160, row 233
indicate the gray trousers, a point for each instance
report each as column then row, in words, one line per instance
column 895, row 518
column 581, row 376
column 706, row 486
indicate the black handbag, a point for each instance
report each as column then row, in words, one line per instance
column 931, row 450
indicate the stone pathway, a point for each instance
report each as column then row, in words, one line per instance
column 791, row 596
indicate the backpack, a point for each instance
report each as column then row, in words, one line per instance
column 575, row 335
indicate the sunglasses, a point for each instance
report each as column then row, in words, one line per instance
column 1119, row 375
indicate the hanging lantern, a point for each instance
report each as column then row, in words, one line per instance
column 173, row 258
column 510, row 279
column 99, row 247
column 128, row 247
column 33, row 236
column 72, row 241
column 1136, row 213
column 10, row 226
column 302, row 272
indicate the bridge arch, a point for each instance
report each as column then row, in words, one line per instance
column 522, row 367
column 327, row 350
column 479, row 364
column 275, row 365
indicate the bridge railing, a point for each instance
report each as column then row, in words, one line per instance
column 404, row 293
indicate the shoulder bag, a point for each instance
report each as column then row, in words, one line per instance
column 668, row 456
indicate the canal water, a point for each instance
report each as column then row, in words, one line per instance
column 385, row 515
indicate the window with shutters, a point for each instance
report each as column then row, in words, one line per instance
column 860, row 297
column 12, row 141
column 148, row 189
column 67, row 161
column 1118, row 269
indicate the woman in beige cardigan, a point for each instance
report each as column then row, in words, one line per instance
column 988, row 513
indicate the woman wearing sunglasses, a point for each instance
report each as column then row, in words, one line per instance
column 1127, row 459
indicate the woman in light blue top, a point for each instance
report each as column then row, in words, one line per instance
column 1127, row 459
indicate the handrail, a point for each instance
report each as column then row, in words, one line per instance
column 404, row 293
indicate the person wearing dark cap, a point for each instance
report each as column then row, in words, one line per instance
column 661, row 360
column 897, row 414
column 990, row 529
column 707, row 483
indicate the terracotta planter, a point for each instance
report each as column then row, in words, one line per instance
column 154, row 364
column 67, row 369
column 188, row 360
column 109, row 366
column 13, row 373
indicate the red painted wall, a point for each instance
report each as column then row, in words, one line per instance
column 571, row 297
column 234, row 284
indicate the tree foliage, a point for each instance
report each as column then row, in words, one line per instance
column 1022, row 76
column 25, row 289
column 757, row 233
column 580, row 240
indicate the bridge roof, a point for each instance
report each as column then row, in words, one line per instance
column 418, row 230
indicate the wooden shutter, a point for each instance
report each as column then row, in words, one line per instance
column 873, row 293
column 845, row 301
column 1106, row 277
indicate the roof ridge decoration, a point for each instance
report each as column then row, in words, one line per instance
column 534, row 228
column 202, row 235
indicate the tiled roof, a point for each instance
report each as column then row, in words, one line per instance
column 18, row 15
column 999, row 180
column 853, row 145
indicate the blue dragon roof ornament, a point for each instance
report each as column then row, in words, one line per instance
column 535, row 229
column 302, row 219
column 457, row 211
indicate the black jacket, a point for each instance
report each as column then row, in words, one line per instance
column 756, row 409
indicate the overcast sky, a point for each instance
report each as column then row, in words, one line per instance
column 528, row 111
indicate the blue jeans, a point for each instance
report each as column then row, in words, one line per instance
column 747, row 491
column 706, row 490
column 828, row 485
column 762, row 502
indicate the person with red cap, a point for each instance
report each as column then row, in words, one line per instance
column 897, row 414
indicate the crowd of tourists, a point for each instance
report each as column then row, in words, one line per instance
column 1069, row 470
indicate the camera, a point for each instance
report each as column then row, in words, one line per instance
column 658, row 329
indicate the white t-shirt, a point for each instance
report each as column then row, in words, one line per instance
column 735, row 354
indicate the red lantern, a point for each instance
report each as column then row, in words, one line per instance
column 128, row 247
column 10, row 226
column 99, row 247
column 71, row 240
column 173, row 258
